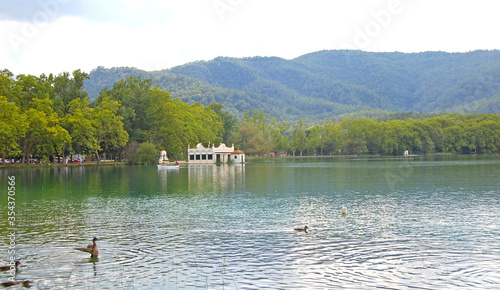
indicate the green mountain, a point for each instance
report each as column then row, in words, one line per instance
column 326, row 84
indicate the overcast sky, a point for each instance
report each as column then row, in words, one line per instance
column 52, row 36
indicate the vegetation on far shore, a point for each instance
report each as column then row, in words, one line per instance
column 52, row 116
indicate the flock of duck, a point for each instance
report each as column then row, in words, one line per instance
column 92, row 249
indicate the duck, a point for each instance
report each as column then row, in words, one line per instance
column 91, row 248
column 25, row 283
column 8, row 268
column 304, row 229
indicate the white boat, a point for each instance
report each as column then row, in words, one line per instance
column 168, row 166
column 407, row 154
column 163, row 162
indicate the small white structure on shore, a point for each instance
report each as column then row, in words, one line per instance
column 209, row 155
column 163, row 156
column 238, row 157
column 407, row 154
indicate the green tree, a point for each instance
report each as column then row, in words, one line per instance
column 12, row 128
column 299, row 137
column 67, row 88
column 248, row 137
column 255, row 132
column 108, row 132
column 229, row 122
column 176, row 124
column 81, row 126
column 28, row 87
column 44, row 136
column 98, row 129
column 354, row 136
column 316, row 142
column 146, row 154
column 281, row 140
column 6, row 83
column 332, row 137
column 133, row 93
column 454, row 139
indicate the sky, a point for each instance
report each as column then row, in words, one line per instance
column 54, row 36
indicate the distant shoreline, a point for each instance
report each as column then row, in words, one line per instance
column 249, row 158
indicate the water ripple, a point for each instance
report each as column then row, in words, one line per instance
column 424, row 237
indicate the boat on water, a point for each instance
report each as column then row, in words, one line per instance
column 169, row 166
column 164, row 163
column 407, row 154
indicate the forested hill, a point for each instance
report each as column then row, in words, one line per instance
column 329, row 83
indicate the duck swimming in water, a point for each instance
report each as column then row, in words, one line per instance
column 26, row 283
column 8, row 268
column 91, row 248
column 304, row 229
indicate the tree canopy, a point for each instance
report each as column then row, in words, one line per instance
column 51, row 116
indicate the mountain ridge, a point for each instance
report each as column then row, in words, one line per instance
column 328, row 83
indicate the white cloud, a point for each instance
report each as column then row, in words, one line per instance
column 156, row 34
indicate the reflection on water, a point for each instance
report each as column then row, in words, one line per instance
column 423, row 224
column 216, row 178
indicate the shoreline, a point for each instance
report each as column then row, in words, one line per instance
column 72, row 164
column 250, row 158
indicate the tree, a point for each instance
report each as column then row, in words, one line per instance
column 280, row 138
column 68, row 88
column 146, row 154
column 255, row 132
column 135, row 98
column 27, row 88
column 299, row 138
column 80, row 125
column 247, row 137
column 6, row 84
column 12, row 128
column 172, row 126
column 228, row 121
column 44, row 136
column 175, row 124
column 99, row 129
column 107, row 128
column 333, row 137
column 316, row 142
column 354, row 136
column 454, row 139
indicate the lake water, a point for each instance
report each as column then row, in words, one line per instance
column 411, row 223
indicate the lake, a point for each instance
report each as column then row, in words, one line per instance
column 425, row 223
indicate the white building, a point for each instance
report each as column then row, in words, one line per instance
column 210, row 155
column 238, row 157
column 163, row 157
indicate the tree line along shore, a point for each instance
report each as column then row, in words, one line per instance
column 51, row 117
